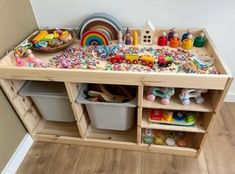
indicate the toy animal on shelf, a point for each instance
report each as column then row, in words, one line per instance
column 148, row 136
column 164, row 93
column 186, row 94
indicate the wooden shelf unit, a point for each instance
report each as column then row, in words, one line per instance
column 81, row 132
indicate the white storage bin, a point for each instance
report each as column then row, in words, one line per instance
column 112, row 116
column 51, row 99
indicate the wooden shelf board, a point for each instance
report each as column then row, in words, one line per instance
column 112, row 135
column 173, row 150
column 175, row 104
column 147, row 124
column 57, row 128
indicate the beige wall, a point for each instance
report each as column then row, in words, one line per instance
column 16, row 21
column 11, row 130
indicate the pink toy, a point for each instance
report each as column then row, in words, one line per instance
column 19, row 61
column 34, row 60
column 164, row 93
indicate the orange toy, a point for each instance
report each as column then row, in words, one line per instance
column 175, row 41
column 188, row 43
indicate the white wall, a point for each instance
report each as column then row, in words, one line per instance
column 217, row 16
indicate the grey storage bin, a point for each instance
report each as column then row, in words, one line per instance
column 112, row 116
column 51, row 99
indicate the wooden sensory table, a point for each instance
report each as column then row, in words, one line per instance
column 82, row 133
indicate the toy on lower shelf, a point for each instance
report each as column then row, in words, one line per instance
column 173, row 118
column 162, row 137
column 186, row 94
column 148, row 136
column 164, row 93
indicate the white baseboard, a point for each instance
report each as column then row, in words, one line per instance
column 230, row 97
column 18, row 155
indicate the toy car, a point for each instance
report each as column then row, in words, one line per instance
column 147, row 60
column 116, row 59
column 132, row 58
column 165, row 61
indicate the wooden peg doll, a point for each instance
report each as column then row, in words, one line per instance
column 174, row 42
column 200, row 40
column 185, row 35
column 171, row 33
column 128, row 38
column 188, row 42
column 162, row 39
column 135, row 38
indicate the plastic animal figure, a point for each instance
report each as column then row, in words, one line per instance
column 164, row 93
column 186, row 94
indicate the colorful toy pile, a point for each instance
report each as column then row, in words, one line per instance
column 51, row 40
column 134, row 59
column 162, row 137
column 104, row 46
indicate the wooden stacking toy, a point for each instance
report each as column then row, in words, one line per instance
column 174, row 41
column 162, row 40
column 188, row 43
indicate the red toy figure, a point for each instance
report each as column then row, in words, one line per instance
column 162, row 40
column 174, row 42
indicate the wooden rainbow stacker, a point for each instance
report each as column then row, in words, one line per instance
column 82, row 133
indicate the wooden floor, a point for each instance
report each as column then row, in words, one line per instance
column 217, row 157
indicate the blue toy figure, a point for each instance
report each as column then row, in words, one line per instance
column 185, row 35
column 164, row 93
column 171, row 34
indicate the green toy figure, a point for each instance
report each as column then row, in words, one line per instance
column 199, row 41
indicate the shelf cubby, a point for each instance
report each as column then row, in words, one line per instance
column 112, row 135
column 198, row 127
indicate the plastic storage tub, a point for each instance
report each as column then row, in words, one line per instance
column 112, row 116
column 51, row 99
